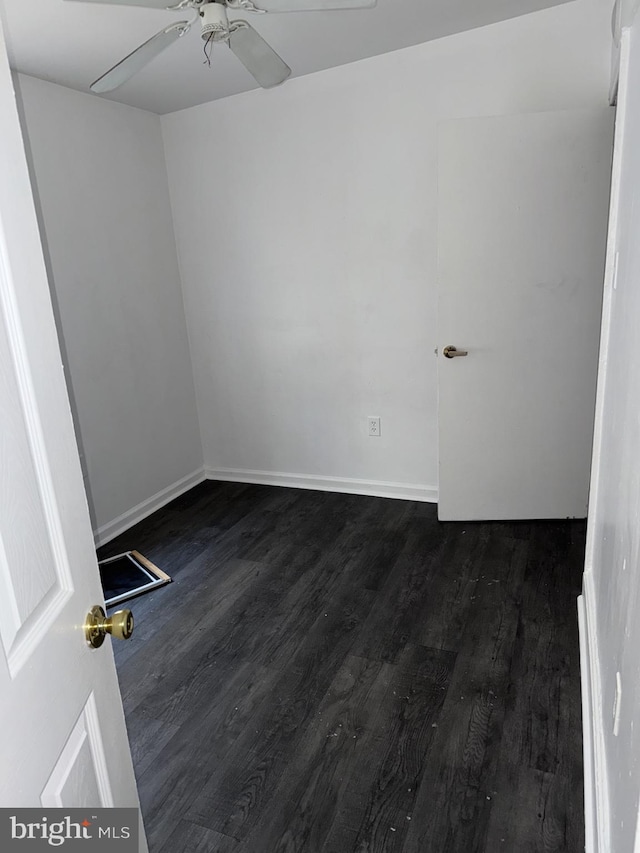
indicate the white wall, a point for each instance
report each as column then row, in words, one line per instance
column 612, row 577
column 306, row 228
column 102, row 188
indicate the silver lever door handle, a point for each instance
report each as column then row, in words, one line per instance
column 452, row 352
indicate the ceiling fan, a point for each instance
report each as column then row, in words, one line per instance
column 248, row 45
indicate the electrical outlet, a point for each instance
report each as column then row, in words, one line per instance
column 617, row 703
column 374, row 425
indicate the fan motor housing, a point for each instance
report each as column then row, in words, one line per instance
column 215, row 24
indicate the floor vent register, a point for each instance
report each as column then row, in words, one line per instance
column 127, row 575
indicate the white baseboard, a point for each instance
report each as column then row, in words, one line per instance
column 123, row 522
column 403, row 491
column 596, row 788
column 374, row 488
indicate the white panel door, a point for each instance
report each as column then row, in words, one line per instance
column 63, row 740
column 523, row 204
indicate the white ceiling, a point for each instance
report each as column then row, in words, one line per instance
column 73, row 43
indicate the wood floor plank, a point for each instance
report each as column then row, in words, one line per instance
column 180, row 636
column 455, row 796
column 341, row 674
column 197, row 839
column 334, row 742
column 418, row 683
column 264, row 626
column 176, row 776
column 529, row 813
column 233, row 800
column 173, row 553
column 452, row 588
column 148, row 737
column 347, row 784
column 390, row 623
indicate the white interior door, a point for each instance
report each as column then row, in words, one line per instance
column 63, row 740
column 523, row 205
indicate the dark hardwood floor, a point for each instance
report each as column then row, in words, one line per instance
column 333, row 673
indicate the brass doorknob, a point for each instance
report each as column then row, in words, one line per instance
column 97, row 625
column 452, row 352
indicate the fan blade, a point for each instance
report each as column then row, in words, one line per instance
column 257, row 57
column 151, row 4
column 136, row 61
column 313, row 5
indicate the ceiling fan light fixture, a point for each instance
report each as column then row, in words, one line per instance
column 261, row 61
column 214, row 20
